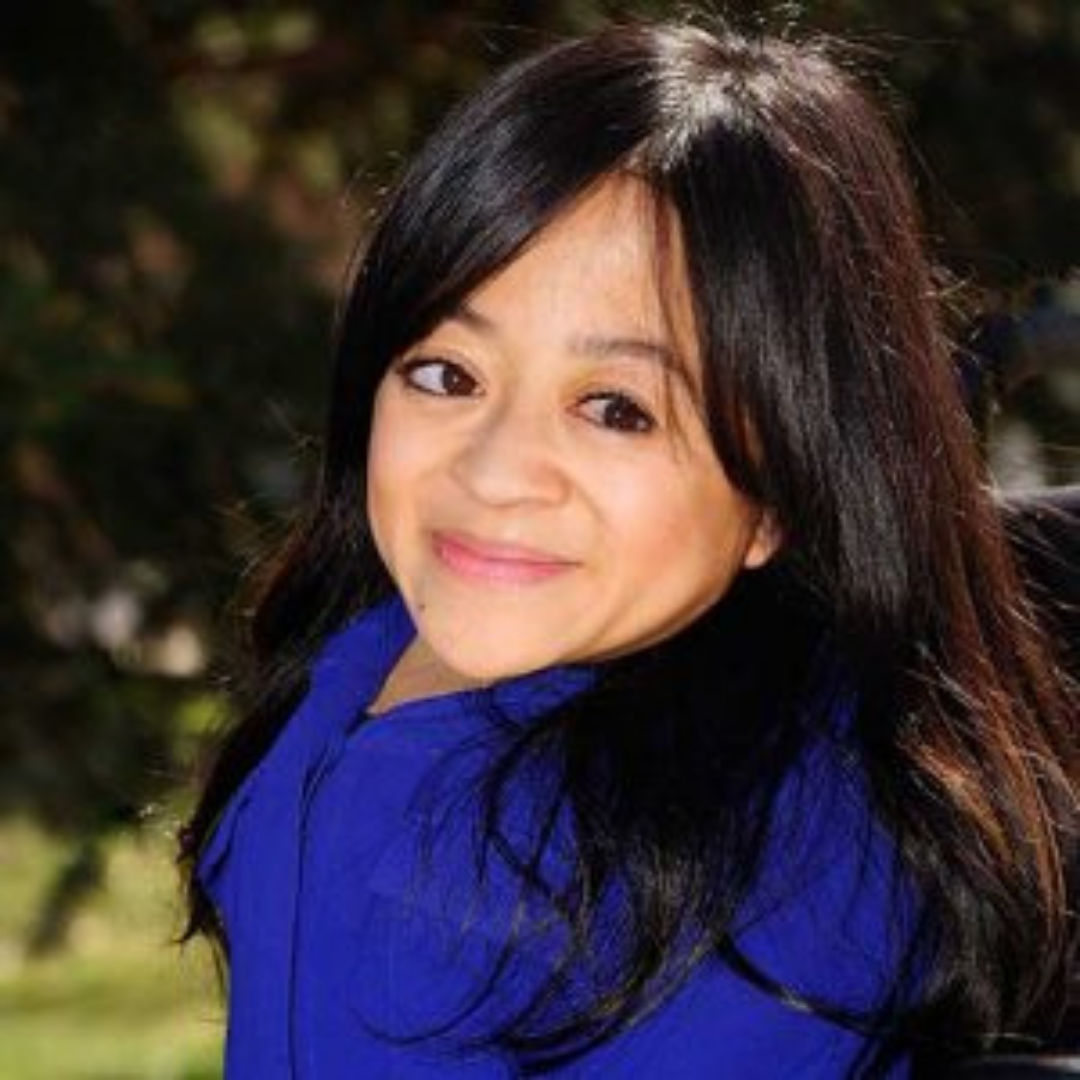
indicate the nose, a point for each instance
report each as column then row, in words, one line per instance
column 510, row 457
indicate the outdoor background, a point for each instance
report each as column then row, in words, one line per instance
column 180, row 186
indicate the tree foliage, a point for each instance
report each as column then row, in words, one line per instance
column 180, row 184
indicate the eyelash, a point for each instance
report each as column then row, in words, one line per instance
column 641, row 422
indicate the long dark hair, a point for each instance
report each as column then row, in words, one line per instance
column 832, row 401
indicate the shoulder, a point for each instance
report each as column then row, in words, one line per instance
column 341, row 678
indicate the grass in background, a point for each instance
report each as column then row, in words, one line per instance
column 121, row 1002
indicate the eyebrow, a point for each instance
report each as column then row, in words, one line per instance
column 594, row 345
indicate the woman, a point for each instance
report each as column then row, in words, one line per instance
column 647, row 689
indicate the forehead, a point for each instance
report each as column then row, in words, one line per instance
column 612, row 264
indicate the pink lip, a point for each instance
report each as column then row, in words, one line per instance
column 503, row 563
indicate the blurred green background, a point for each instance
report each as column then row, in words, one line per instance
column 180, row 185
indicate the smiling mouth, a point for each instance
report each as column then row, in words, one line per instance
column 505, row 564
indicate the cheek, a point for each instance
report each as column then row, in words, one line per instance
column 388, row 471
column 646, row 513
column 686, row 525
column 403, row 445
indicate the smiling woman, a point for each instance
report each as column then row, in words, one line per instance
column 536, row 441
column 648, row 689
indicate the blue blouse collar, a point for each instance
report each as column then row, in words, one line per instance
column 356, row 661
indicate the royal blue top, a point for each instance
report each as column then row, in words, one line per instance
column 333, row 948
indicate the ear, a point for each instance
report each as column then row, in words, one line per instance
column 765, row 541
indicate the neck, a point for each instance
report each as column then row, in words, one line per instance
column 419, row 673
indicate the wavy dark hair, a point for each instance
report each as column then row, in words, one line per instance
column 832, row 400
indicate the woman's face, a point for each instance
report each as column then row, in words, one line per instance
column 541, row 486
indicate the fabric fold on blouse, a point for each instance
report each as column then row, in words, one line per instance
column 334, row 949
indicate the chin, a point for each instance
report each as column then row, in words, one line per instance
column 486, row 660
column 486, row 668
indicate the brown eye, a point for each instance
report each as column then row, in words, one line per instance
column 441, row 378
column 618, row 412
